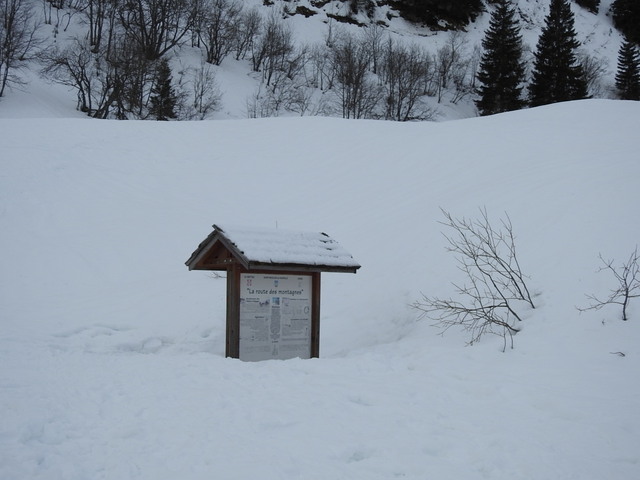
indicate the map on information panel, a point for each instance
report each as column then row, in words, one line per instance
column 275, row 316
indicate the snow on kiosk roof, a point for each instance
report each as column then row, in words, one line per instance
column 270, row 249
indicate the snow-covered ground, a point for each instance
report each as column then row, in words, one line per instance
column 112, row 353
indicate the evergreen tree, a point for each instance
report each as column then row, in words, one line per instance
column 501, row 67
column 591, row 5
column 628, row 73
column 557, row 75
column 432, row 12
column 626, row 18
column 163, row 97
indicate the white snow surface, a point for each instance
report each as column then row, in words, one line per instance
column 274, row 245
column 112, row 353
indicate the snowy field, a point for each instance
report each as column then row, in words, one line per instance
column 112, row 353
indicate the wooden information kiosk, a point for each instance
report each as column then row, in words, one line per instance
column 273, row 287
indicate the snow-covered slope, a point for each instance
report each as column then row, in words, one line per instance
column 238, row 84
column 112, row 353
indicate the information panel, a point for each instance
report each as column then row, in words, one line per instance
column 275, row 316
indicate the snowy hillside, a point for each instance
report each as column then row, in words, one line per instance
column 112, row 353
column 239, row 85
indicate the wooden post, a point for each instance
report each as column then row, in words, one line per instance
column 315, row 315
column 233, row 311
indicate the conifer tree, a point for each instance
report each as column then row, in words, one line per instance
column 163, row 97
column 628, row 73
column 453, row 12
column 501, row 71
column 557, row 75
column 591, row 5
column 626, row 18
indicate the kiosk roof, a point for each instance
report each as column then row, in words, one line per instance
column 274, row 248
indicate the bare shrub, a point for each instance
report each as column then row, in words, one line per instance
column 594, row 69
column 495, row 283
column 199, row 92
column 627, row 277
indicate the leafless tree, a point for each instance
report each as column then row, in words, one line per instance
column 101, row 18
column 494, row 284
column 358, row 95
column 287, row 91
column 593, row 68
column 156, row 26
column 304, row 101
column 73, row 66
column 249, row 28
column 463, row 73
column 114, row 82
column 205, row 93
column 273, row 49
column 18, row 41
column 287, row 84
column 374, row 36
column 329, row 35
column 47, row 11
column 96, row 14
column 451, row 64
column 403, row 72
column 321, row 75
column 474, row 65
column 63, row 14
column 627, row 277
column 126, row 76
column 283, row 65
column 259, row 105
column 218, row 22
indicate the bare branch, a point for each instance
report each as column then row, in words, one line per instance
column 495, row 282
column 491, row 252
column 627, row 277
